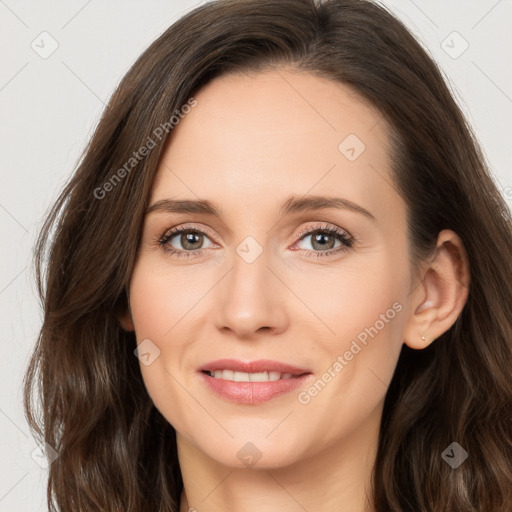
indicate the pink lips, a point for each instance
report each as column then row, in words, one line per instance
column 253, row 392
column 261, row 365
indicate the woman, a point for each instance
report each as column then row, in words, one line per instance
column 284, row 215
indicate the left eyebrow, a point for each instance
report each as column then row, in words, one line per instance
column 308, row 203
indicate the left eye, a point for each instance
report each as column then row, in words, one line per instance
column 323, row 240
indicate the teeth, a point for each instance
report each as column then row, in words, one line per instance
column 227, row 374
column 249, row 377
column 259, row 377
column 240, row 377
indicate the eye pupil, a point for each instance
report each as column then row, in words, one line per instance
column 188, row 239
column 320, row 238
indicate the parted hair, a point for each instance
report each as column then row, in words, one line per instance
column 83, row 390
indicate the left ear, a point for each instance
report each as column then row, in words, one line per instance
column 440, row 297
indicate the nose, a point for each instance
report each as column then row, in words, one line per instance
column 251, row 300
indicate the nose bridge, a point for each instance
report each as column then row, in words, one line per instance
column 250, row 300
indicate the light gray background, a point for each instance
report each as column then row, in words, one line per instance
column 50, row 106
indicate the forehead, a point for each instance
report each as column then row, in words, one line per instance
column 276, row 133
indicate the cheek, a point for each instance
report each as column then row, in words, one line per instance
column 364, row 309
column 159, row 302
column 353, row 297
column 160, row 299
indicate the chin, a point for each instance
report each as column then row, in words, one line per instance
column 253, row 452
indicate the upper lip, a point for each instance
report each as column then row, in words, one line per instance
column 261, row 365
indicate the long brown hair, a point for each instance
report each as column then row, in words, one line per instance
column 116, row 451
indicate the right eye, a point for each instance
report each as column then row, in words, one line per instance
column 191, row 241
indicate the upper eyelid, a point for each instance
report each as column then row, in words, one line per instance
column 323, row 226
column 187, row 227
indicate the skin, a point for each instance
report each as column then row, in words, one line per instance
column 249, row 144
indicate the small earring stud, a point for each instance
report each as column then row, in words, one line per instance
column 423, row 338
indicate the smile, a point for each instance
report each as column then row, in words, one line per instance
column 249, row 377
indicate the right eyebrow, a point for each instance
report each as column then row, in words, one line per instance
column 185, row 206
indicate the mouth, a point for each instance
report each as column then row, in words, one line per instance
column 265, row 376
column 252, row 382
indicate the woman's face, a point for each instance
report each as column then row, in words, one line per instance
column 252, row 281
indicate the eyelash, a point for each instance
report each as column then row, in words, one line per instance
column 346, row 240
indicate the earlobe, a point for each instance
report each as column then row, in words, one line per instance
column 440, row 297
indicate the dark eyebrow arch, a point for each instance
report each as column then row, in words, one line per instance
column 292, row 205
column 185, row 206
column 302, row 204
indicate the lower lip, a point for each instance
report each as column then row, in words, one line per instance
column 253, row 392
